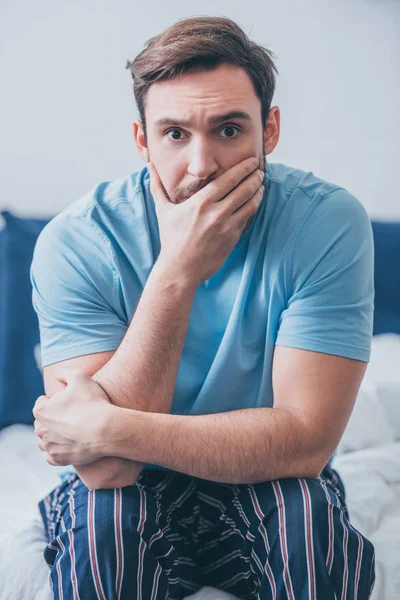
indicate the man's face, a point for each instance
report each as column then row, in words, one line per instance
column 188, row 148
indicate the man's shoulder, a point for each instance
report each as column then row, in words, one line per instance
column 107, row 195
column 309, row 212
column 101, row 208
column 288, row 180
column 310, row 198
column 93, row 220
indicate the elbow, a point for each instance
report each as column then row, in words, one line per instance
column 316, row 465
column 102, row 483
column 310, row 467
column 109, row 473
column 305, row 472
column 313, row 473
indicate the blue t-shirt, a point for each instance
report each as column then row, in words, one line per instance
column 301, row 276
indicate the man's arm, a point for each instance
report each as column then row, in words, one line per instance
column 314, row 394
column 116, row 471
column 141, row 373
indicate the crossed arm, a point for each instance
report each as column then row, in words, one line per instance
column 141, row 373
column 314, row 394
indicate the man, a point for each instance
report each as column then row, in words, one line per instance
column 216, row 333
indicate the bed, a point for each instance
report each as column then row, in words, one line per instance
column 368, row 457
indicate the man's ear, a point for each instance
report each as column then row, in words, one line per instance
column 272, row 130
column 140, row 139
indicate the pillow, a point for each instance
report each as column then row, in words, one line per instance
column 20, row 379
column 387, row 277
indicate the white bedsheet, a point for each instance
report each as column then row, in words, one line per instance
column 368, row 460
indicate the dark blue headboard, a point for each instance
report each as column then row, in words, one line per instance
column 20, row 379
column 387, row 277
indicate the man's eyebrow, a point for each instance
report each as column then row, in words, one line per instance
column 233, row 114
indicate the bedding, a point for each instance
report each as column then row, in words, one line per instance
column 368, row 459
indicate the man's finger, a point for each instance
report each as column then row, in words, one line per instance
column 66, row 375
column 38, row 405
column 225, row 183
column 51, row 462
column 36, row 427
column 40, row 431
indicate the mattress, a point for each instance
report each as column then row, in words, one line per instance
column 368, row 459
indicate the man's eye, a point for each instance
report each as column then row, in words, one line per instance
column 173, row 131
column 230, row 128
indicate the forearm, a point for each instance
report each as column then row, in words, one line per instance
column 142, row 373
column 241, row 446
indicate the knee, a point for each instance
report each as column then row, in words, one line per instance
column 302, row 497
column 102, row 543
column 100, row 516
column 306, row 507
column 316, row 510
column 98, row 522
column 119, row 510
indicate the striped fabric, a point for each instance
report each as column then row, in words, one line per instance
column 170, row 534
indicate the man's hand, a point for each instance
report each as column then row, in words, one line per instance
column 198, row 234
column 71, row 423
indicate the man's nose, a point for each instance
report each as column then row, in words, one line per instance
column 202, row 164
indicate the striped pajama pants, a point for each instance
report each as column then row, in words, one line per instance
column 169, row 534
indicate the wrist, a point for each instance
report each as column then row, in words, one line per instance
column 111, row 431
column 174, row 275
column 121, row 427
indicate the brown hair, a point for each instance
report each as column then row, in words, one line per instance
column 197, row 44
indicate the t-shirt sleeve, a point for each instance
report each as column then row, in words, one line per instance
column 331, row 280
column 75, row 290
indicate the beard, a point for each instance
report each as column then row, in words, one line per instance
column 181, row 194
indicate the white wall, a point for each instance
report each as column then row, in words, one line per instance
column 66, row 101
